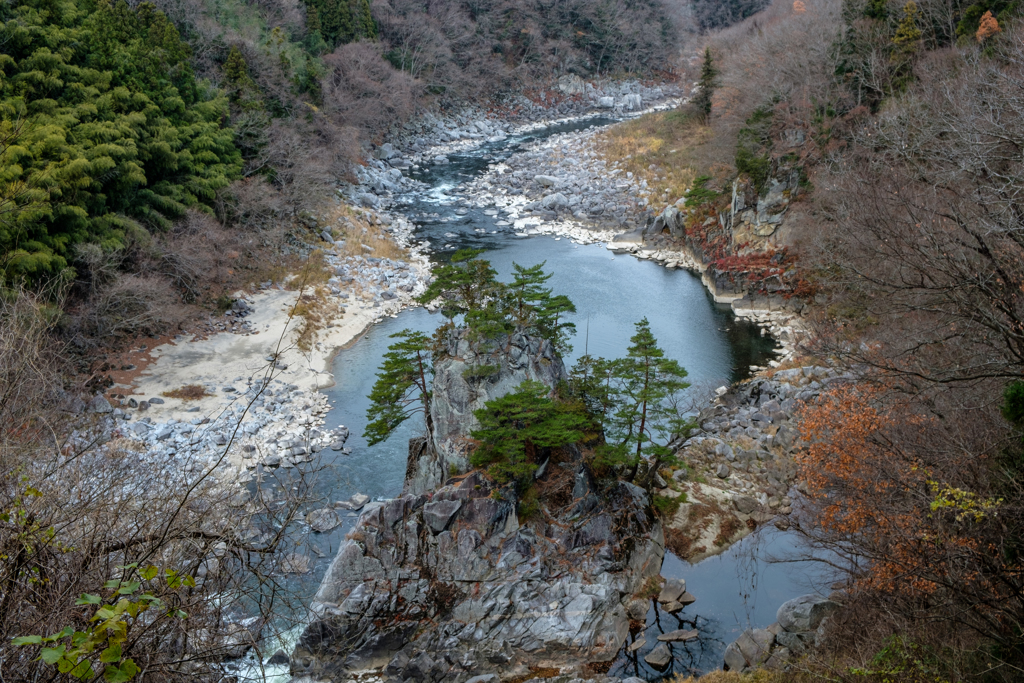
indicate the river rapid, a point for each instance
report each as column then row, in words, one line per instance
column 736, row 590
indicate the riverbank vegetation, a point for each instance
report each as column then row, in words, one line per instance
column 902, row 122
column 159, row 156
column 111, row 564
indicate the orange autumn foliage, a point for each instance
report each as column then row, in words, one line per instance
column 879, row 482
column 799, row 7
column 987, row 27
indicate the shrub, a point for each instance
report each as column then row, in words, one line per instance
column 189, row 392
column 667, row 506
column 650, row 589
column 529, row 505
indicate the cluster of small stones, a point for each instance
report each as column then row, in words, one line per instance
column 232, row 320
column 432, row 139
column 565, row 179
column 264, row 424
column 747, row 440
column 385, row 282
column 421, row 142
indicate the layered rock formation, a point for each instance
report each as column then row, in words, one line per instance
column 464, row 380
column 450, row 585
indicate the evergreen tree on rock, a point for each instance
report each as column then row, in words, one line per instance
column 645, row 394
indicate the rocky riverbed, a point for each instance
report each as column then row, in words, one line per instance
column 254, row 399
column 555, row 186
column 740, row 464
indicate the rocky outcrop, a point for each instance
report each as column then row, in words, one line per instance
column 798, row 626
column 464, row 380
column 449, row 585
column 744, row 452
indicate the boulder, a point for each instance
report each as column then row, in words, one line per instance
column 755, row 645
column 794, row 642
column 554, row 202
column 632, row 102
column 745, row 504
column 294, row 563
column 606, row 102
column 678, row 636
column 322, row 521
column 785, row 438
column 100, row 405
column 438, row 514
column 734, row 659
column 660, row 657
column 636, row 609
column 723, row 471
column 672, row 590
column 545, row 180
column 804, row 613
column 367, row 200
column 571, row 84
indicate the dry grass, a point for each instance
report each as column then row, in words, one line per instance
column 362, row 237
column 650, row 589
column 730, row 527
column 313, row 311
column 759, row 676
column 189, row 392
column 659, row 148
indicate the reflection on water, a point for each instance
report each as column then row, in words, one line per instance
column 611, row 294
column 741, row 588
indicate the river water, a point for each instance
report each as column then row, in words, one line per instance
column 611, row 292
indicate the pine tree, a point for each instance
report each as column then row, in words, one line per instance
column 235, row 68
column 876, row 9
column 468, row 287
column 313, row 20
column 527, row 293
column 907, row 33
column 551, row 323
column 364, row 19
column 645, row 389
column 515, row 427
column 706, row 86
column 402, row 388
column 337, row 24
column 534, row 309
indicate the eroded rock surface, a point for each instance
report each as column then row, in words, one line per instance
column 450, row 585
column 463, row 382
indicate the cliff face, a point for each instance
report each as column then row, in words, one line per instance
column 463, row 382
column 432, row 587
column 446, row 583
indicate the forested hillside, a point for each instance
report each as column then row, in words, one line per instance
column 903, row 122
column 133, row 133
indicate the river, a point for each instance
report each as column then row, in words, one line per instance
column 611, row 292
